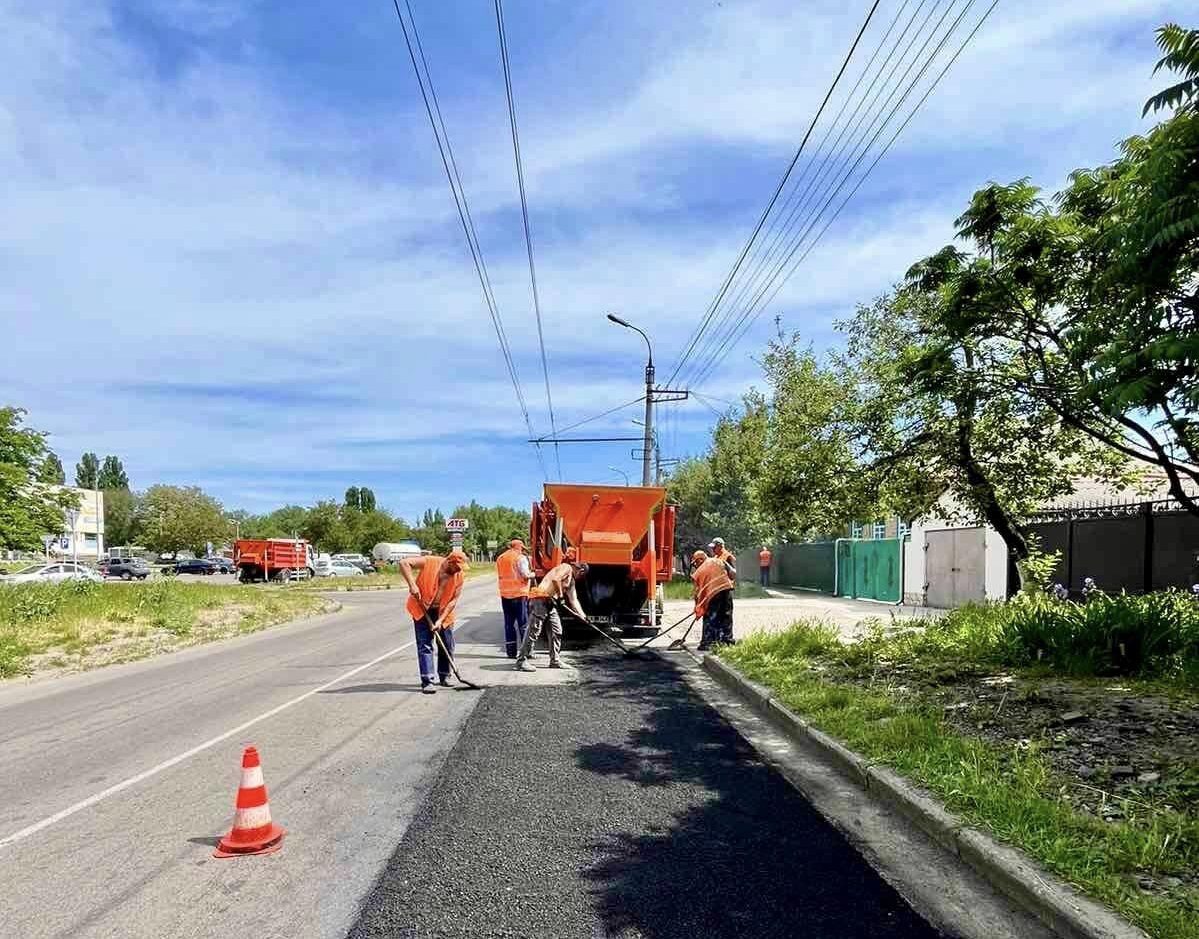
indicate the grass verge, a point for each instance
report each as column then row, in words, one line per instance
column 876, row 696
column 681, row 590
column 78, row 625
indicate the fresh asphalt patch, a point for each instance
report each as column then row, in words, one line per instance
column 621, row 806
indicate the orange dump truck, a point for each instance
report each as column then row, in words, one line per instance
column 625, row 534
column 272, row 559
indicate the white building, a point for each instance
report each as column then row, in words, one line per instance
column 84, row 539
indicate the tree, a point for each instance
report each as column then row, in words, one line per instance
column 431, row 533
column 51, row 472
column 353, row 498
column 87, row 471
column 120, row 517
column 29, row 509
column 324, row 528
column 491, row 523
column 112, row 475
column 366, row 499
column 689, row 487
column 174, row 518
column 813, row 478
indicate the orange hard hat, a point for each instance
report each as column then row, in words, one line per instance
column 698, row 556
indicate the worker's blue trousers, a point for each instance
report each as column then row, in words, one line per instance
column 425, row 644
column 516, row 619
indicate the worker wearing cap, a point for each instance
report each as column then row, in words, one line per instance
column 514, row 573
column 764, row 559
column 557, row 589
column 713, row 593
column 725, row 614
column 432, row 595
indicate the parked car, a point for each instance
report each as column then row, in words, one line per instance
column 195, row 566
column 223, row 565
column 51, row 573
column 339, row 568
column 358, row 560
column 125, row 568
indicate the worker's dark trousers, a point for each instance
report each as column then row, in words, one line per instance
column 516, row 618
column 718, row 620
column 425, row 644
column 764, row 572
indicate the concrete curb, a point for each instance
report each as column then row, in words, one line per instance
column 1052, row 901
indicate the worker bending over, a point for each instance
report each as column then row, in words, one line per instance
column 557, row 588
column 432, row 596
column 514, row 573
column 713, row 593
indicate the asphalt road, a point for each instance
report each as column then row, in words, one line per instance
column 346, row 767
column 621, row 805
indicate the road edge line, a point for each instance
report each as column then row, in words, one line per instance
column 1008, row 870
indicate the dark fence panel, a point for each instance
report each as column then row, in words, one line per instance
column 810, row 566
column 1135, row 547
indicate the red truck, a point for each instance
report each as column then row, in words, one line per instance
column 272, row 559
column 625, row 534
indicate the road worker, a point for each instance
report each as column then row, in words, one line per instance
column 514, row 573
column 713, row 593
column 764, row 559
column 557, row 589
column 726, row 618
column 432, row 595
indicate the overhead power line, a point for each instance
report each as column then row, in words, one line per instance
column 763, row 298
column 501, row 29
column 773, row 199
column 833, row 162
column 424, row 80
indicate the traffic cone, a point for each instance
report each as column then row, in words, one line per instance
column 253, row 831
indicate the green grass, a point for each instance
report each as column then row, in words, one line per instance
column 81, row 624
column 1010, row 791
column 681, row 590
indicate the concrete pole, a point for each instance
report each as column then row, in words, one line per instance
column 647, row 461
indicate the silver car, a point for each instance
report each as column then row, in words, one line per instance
column 51, row 573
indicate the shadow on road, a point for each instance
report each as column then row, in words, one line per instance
column 376, row 688
column 745, row 854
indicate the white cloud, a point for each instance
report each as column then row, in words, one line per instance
column 203, row 225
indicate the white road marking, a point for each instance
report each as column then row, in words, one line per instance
column 176, row 760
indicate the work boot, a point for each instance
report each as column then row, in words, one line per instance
column 426, row 687
column 524, row 665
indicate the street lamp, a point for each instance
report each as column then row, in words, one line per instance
column 647, row 462
column 616, row 469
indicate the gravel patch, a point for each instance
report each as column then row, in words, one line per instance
column 621, row 806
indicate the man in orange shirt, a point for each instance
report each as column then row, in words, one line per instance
column 713, row 595
column 764, row 559
column 514, row 573
column 432, row 596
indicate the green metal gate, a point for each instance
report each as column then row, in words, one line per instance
column 808, row 566
column 870, row 570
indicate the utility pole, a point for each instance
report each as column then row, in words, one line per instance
column 652, row 395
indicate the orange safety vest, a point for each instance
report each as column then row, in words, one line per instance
column 710, row 578
column 426, row 583
column 507, row 569
column 764, row 557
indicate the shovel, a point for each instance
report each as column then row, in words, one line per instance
column 463, row 684
column 669, row 628
column 682, row 643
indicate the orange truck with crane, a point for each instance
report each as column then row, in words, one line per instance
column 625, row 535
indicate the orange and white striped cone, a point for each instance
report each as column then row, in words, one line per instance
column 253, row 831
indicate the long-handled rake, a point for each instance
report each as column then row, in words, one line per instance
column 612, row 639
column 463, row 683
column 682, row 643
column 670, row 628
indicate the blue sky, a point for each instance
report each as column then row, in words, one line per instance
column 230, row 257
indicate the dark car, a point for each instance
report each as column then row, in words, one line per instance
column 195, row 566
column 125, row 568
column 223, row 565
